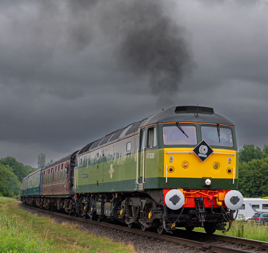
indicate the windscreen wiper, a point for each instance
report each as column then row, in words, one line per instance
column 179, row 126
column 218, row 130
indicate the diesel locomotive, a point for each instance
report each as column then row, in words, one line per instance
column 176, row 168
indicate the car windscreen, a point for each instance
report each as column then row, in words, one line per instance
column 220, row 136
column 172, row 135
column 256, row 215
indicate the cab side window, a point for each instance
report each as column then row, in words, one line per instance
column 151, row 138
column 142, row 139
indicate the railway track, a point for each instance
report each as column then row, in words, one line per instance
column 201, row 242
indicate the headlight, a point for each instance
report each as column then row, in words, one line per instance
column 208, row 182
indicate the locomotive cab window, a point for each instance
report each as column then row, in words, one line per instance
column 217, row 136
column 142, row 139
column 172, row 135
column 151, row 138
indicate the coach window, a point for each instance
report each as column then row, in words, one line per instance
column 128, row 147
column 55, row 174
column 65, row 174
column 58, row 176
column 61, row 174
column 256, row 206
column 52, row 176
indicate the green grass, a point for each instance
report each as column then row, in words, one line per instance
column 21, row 231
column 244, row 229
column 4, row 200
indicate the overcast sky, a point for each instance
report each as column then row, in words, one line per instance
column 72, row 71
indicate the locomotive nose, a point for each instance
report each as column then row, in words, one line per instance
column 233, row 200
column 174, row 199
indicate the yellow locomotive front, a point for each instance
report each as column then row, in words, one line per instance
column 200, row 170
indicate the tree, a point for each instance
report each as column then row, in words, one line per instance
column 253, row 178
column 17, row 168
column 9, row 183
column 265, row 150
column 41, row 160
column 249, row 153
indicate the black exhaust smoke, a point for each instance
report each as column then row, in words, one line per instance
column 150, row 43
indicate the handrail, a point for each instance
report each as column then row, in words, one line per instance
column 143, row 163
column 137, row 168
column 233, row 174
column 166, row 174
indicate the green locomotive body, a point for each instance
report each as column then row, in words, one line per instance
column 135, row 167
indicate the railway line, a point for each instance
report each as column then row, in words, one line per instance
column 196, row 241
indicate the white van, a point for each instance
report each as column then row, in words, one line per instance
column 258, row 205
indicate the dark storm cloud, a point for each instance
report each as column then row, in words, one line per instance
column 150, row 43
column 73, row 71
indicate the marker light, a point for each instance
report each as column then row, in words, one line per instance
column 229, row 170
column 171, row 169
column 208, row 182
column 216, row 165
column 185, row 164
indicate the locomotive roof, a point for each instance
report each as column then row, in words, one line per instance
column 172, row 114
column 187, row 114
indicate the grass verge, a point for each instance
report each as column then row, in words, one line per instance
column 244, row 229
column 21, row 231
column 4, row 200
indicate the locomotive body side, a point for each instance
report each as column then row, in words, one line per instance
column 110, row 168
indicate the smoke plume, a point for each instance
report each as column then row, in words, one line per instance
column 150, row 43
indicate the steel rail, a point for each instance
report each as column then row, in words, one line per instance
column 200, row 245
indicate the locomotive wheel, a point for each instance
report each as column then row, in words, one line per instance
column 130, row 225
column 210, row 228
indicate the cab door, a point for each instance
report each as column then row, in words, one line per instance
column 142, row 150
